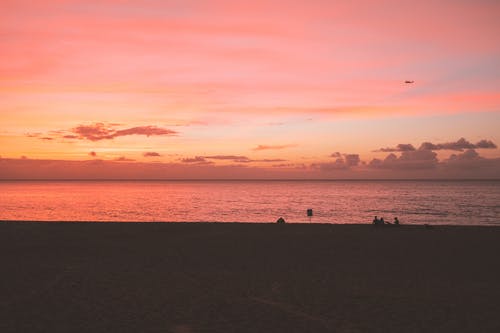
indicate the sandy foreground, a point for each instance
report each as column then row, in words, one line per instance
column 235, row 277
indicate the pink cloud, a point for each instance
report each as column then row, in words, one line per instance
column 270, row 160
column 329, row 166
column 468, row 155
column 351, row 159
column 94, row 132
column 271, row 147
column 458, row 145
column 242, row 159
column 290, row 166
column 342, row 162
column 418, row 159
column 227, row 157
column 196, row 160
column 123, row 159
column 336, row 154
column 101, row 131
column 144, row 130
column 485, row 144
column 151, row 154
column 400, row 147
column 470, row 162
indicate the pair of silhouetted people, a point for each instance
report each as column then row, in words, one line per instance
column 377, row 221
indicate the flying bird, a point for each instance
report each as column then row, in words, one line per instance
column 407, row 81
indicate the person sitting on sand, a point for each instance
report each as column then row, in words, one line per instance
column 281, row 221
column 375, row 221
column 396, row 221
column 382, row 222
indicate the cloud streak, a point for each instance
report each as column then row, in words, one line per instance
column 470, row 161
column 151, row 154
column 400, row 147
column 123, row 159
column 226, row 157
column 195, row 160
column 418, row 159
column 243, row 159
column 459, row 145
column 342, row 162
column 273, row 147
column 101, row 131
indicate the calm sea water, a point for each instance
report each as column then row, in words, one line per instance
column 413, row 202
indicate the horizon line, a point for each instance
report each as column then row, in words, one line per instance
column 245, row 179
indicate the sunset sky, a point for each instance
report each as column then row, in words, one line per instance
column 249, row 89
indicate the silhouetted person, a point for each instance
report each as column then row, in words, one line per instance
column 281, row 221
column 375, row 221
column 396, row 221
column 382, row 222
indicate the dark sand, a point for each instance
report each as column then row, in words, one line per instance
column 193, row 277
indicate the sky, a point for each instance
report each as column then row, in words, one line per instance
column 161, row 89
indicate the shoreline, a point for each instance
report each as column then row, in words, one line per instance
column 387, row 226
column 256, row 180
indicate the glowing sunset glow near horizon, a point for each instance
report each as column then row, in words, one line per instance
column 263, row 89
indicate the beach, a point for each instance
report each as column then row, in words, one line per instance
column 248, row 277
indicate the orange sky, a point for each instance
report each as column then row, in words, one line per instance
column 262, row 89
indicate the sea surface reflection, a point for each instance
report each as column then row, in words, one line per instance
column 414, row 202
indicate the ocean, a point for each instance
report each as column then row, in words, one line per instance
column 413, row 202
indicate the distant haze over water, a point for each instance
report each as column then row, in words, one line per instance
column 413, row 202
